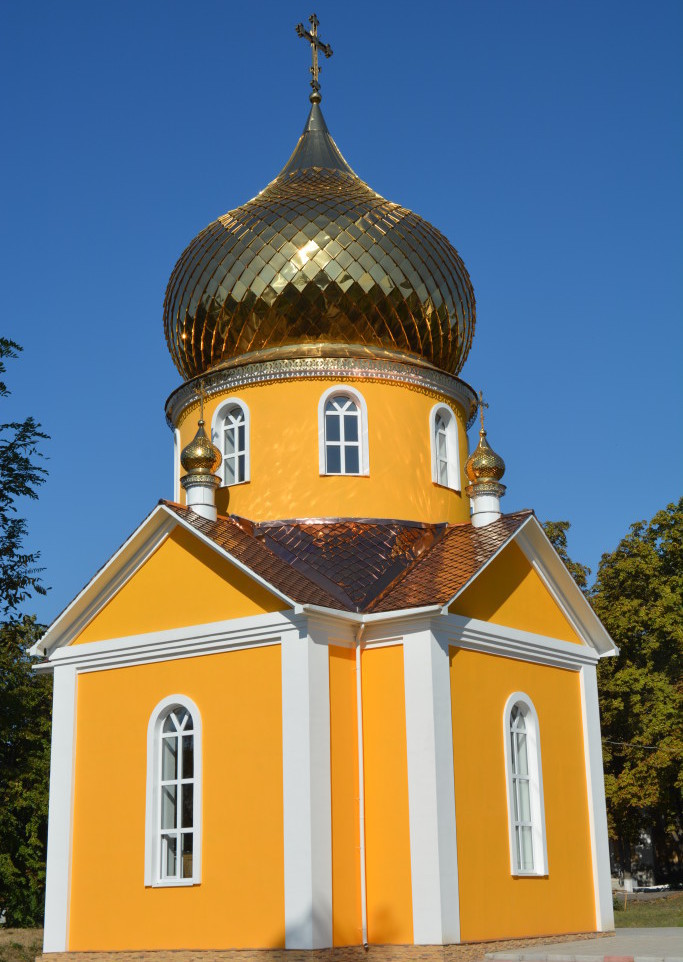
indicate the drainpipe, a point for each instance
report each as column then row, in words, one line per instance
column 361, row 786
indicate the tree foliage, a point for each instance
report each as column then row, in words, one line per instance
column 20, row 476
column 25, row 708
column 25, row 699
column 638, row 595
column 556, row 532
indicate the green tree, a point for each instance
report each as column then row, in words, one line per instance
column 25, row 707
column 25, row 699
column 638, row 595
column 20, row 476
column 556, row 532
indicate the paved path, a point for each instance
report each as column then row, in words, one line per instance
column 628, row 945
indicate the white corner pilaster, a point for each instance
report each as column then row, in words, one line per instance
column 597, row 811
column 431, row 791
column 307, row 791
column 60, row 817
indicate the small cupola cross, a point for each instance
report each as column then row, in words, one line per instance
column 316, row 44
column 482, row 405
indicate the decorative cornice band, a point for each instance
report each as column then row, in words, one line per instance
column 485, row 486
column 296, row 368
column 204, row 480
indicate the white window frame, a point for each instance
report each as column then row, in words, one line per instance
column 152, row 807
column 538, row 834
column 344, row 390
column 452, row 446
column 217, row 436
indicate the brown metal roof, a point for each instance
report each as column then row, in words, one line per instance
column 359, row 564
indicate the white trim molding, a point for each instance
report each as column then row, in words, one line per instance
column 543, row 558
column 534, row 780
column 597, row 812
column 121, row 567
column 153, row 793
column 217, row 436
column 431, row 790
column 60, row 819
column 450, row 423
column 176, row 465
column 493, row 639
column 307, row 791
column 344, row 390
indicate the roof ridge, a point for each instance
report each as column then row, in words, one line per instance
column 199, row 523
column 309, row 571
column 426, row 549
column 418, row 551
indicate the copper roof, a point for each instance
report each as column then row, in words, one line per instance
column 360, row 565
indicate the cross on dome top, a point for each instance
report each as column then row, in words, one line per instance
column 316, row 44
column 482, row 405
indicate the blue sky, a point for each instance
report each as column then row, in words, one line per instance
column 543, row 138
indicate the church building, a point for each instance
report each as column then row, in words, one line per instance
column 329, row 694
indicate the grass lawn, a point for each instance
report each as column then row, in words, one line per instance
column 20, row 945
column 654, row 912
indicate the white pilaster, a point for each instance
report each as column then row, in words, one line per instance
column 307, row 792
column 431, row 792
column 597, row 812
column 60, row 819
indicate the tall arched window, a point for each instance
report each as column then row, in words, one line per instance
column 528, row 850
column 230, row 433
column 173, row 824
column 343, row 432
column 444, row 443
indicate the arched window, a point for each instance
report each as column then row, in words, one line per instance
column 343, row 432
column 173, row 823
column 230, row 433
column 444, row 442
column 528, row 850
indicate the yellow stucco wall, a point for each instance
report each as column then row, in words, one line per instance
column 509, row 592
column 285, row 477
column 493, row 904
column 346, row 897
column 184, row 582
column 387, row 829
column 240, row 901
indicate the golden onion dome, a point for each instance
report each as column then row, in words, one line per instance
column 200, row 456
column 484, row 464
column 318, row 263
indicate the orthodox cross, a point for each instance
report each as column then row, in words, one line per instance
column 316, row 44
column 482, row 405
column 201, row 402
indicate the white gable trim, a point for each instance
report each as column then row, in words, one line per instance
column 120, row 569
column 107, row 582
column 552, row 571
column 539, row 552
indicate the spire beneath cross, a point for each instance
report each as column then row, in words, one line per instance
column 482, row 405
column 201, row 401
column 316, row 44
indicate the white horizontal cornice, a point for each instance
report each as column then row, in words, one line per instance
column 189, row 642
column 492, row 639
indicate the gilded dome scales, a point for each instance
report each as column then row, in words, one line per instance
column 319, row 263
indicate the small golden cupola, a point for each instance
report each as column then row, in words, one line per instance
column 484, row 470
column 200, row 459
